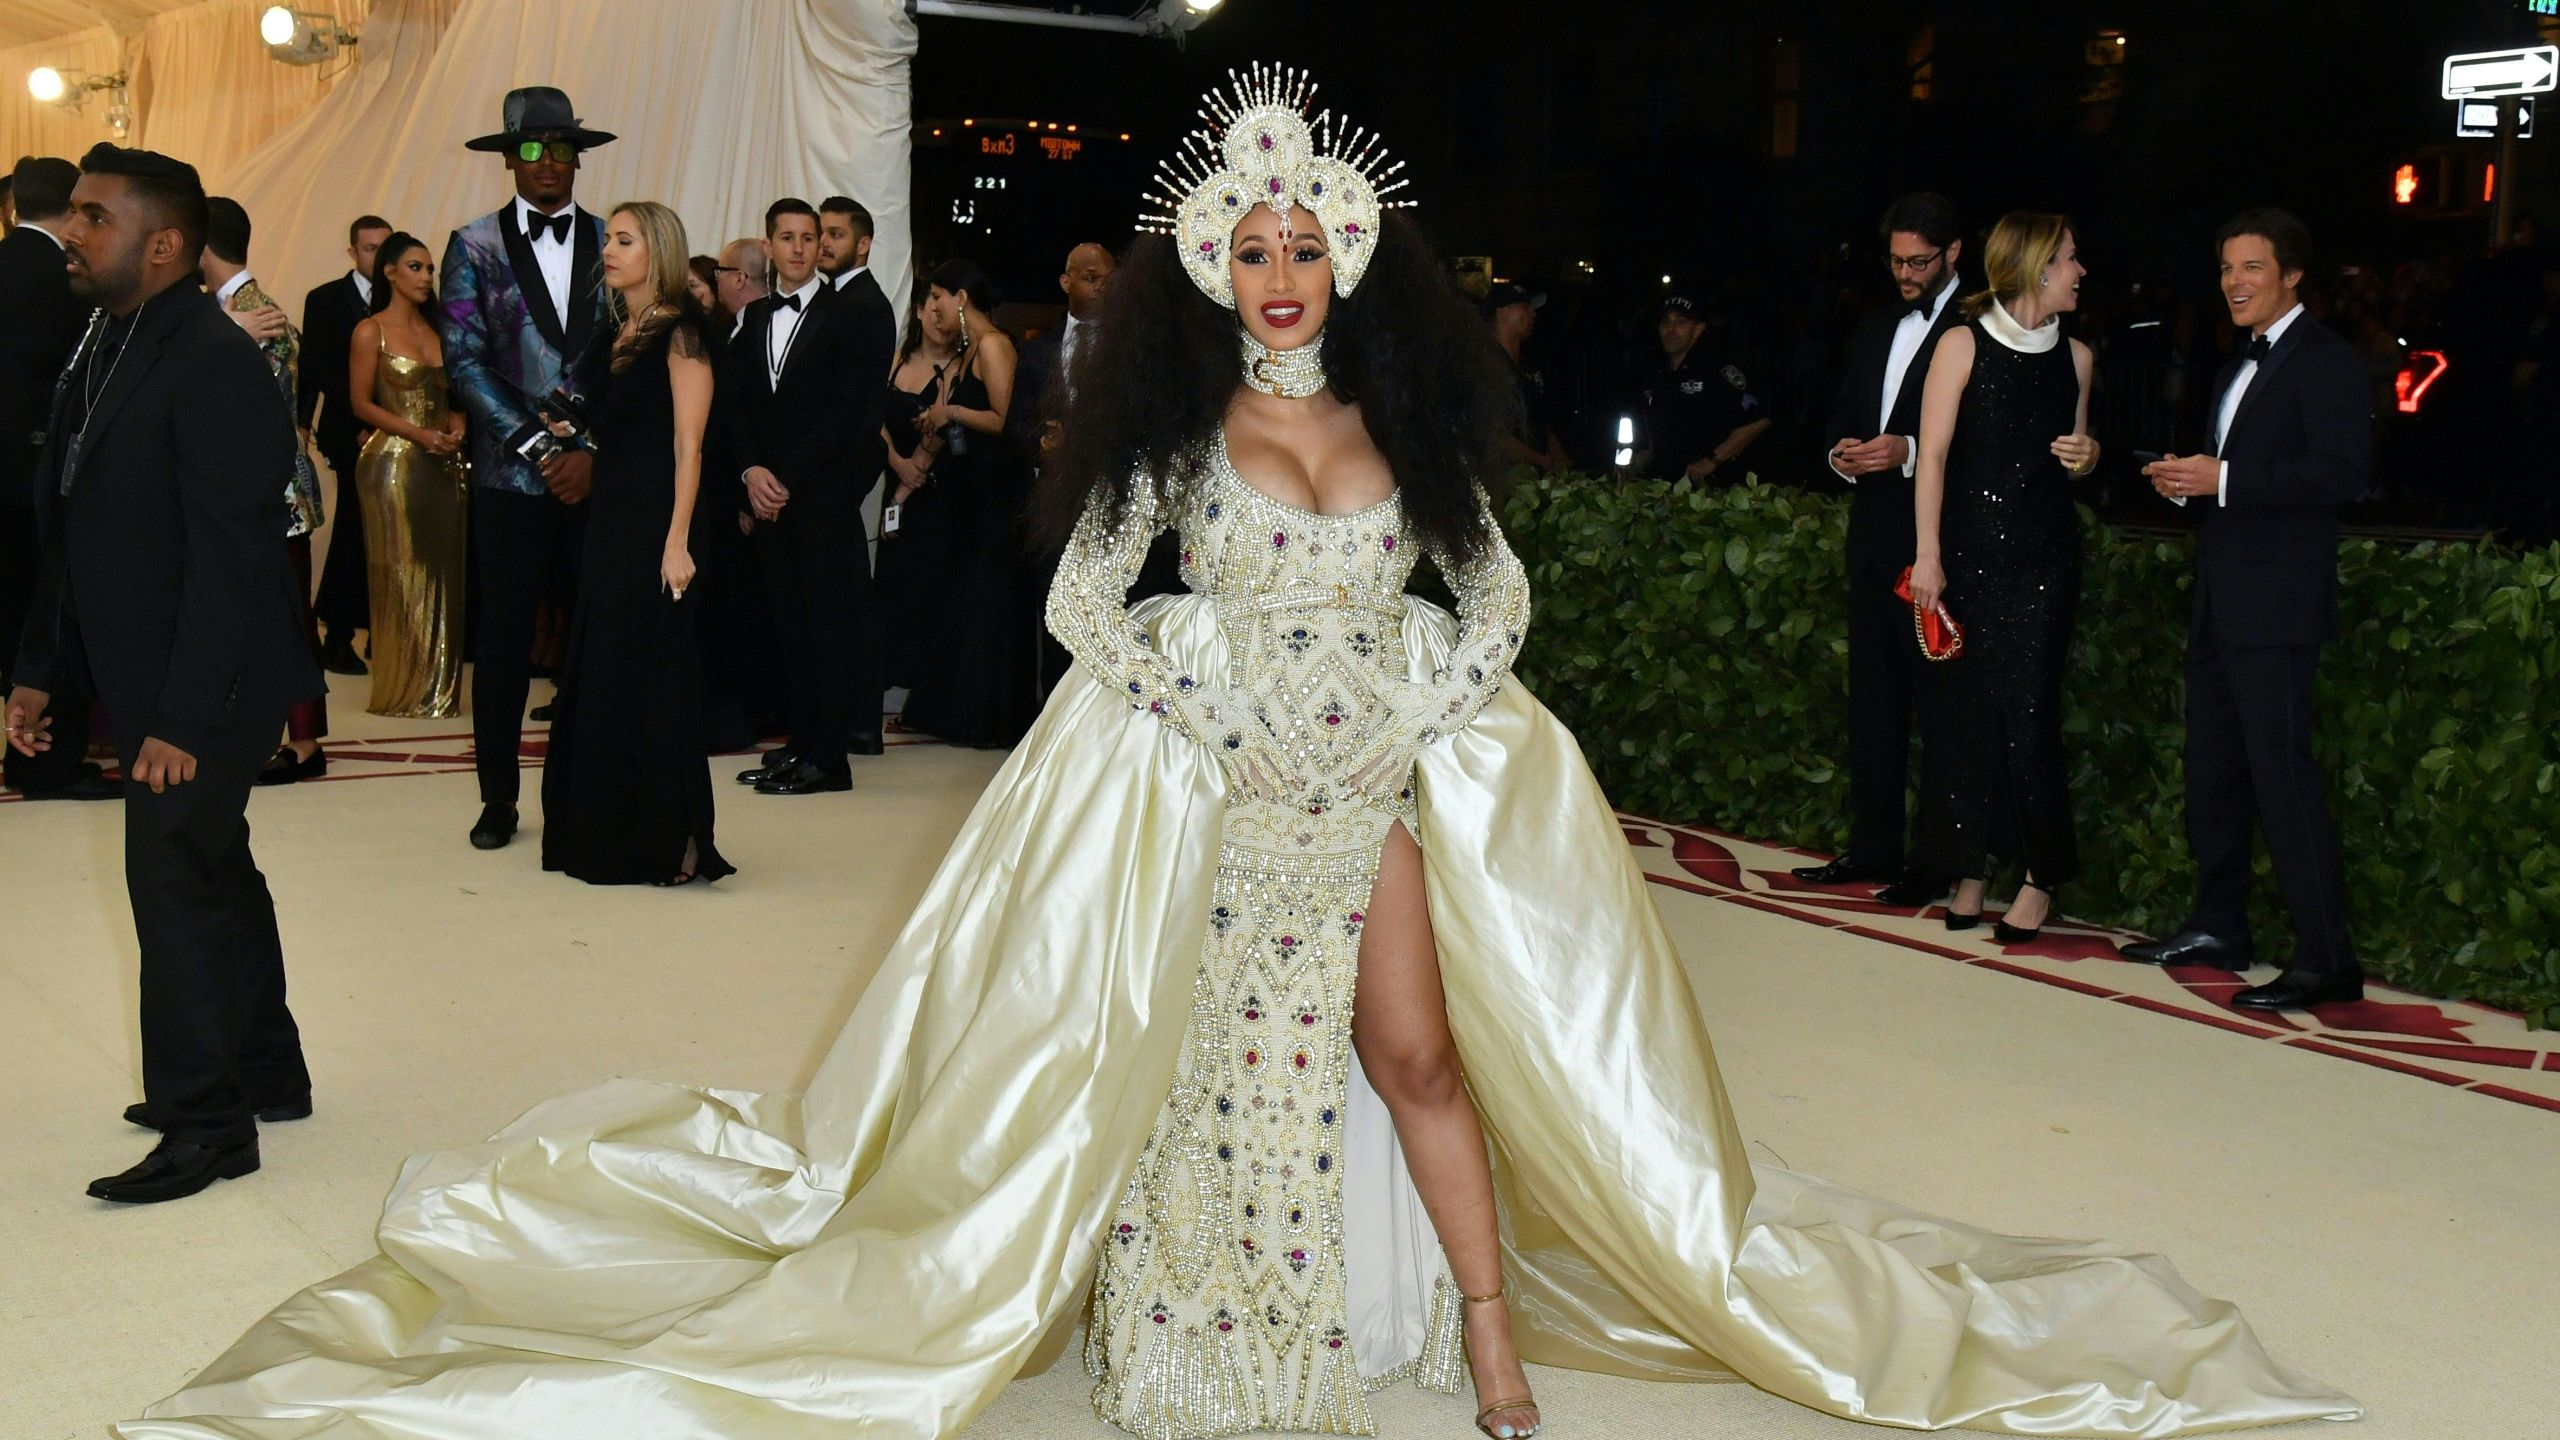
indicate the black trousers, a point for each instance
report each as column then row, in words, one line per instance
column 525, row 543
column 2249, row 766
column 817, row 570
column 1885, row 670
column 69, row 710
column 218, row 1042
column 345, row 598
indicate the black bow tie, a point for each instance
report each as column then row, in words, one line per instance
column 556, row 226
column 2257, row 348
column 1920, row 307
column 788, row 302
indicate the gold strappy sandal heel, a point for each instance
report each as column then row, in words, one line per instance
column 1484, row 1417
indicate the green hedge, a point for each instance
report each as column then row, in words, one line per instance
column 1696, row 641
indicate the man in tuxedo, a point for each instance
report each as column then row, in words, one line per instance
column 40, row 322
column 2293, row 441
column 1040, row 384
column 1876, row 425
column 330, row 314
column 744, row 278
column 804, row 429
column 519, row 301
column 166, row 593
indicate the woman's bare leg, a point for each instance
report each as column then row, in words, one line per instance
column 1400, row 1026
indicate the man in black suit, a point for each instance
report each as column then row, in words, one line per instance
column 167, row 594
column 2293, row 441
column 812, row 375
column 40, row 322
column 1877, row 420
column 1039, row 386
column 330, row 315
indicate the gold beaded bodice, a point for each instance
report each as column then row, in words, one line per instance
column 1221, row 1302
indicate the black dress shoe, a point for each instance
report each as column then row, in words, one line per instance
column 804, row 779
column 2190, row 947
column 92, row 785
column 338, row 657
column 774, row 763
column 2301, row 989
column 867, row 745
column 1913, row 892
column 298, row 1108
column 1843, row 871
column 288, row 767
column 2008, row 934
column 176, row 1169
column 497, row 826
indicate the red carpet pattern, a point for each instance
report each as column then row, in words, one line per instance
column 2450, row 1042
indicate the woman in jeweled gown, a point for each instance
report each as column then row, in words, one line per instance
column 1237, row 1001
column 409, row 480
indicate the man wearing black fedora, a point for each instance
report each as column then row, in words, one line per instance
column 519, row 300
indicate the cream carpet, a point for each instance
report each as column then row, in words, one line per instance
column 2392, row 1235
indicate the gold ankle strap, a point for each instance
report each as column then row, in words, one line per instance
column 1498, row 1292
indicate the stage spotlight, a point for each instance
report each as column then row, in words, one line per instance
column 1201, row 7
column 45, row 83
column 301, row 37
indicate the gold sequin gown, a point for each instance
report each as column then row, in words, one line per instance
column 416, row 516
column 1107, row 1060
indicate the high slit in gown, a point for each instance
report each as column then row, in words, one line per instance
column 1109, row 1054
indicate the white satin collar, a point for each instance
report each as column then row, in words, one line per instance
column 2005, row 328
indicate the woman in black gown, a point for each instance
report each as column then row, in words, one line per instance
column 983, row 689
column 2003, row 428
column 626, row 792
column 914, row 558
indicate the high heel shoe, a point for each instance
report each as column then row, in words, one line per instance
column 2008, row 934
column 1958, row 919
column 1484, row 1417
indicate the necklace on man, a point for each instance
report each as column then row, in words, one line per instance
column 89, row 397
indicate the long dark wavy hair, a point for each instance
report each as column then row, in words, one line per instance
column 400, row 243
column 1404, row 347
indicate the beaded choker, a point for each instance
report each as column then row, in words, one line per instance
column 1290, row 374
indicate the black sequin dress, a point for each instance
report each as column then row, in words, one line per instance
column 1994, row 781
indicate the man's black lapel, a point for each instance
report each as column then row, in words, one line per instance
column 2277, row 354
column 528, row 274
column 586, row 279
column 160, row 315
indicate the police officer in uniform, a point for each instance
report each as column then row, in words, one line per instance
column 1699, row 412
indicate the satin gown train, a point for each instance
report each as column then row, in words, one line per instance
column 1109, row 1051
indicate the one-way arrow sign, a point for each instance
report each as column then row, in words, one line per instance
column 2502, row 72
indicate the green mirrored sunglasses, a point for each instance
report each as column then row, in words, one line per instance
column 560, row 151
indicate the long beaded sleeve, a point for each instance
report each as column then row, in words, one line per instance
column 1088, row 614
column 1493, row 614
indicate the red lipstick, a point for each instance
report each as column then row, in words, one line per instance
column 1281, row 314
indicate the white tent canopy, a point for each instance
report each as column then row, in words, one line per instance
column 721, row 105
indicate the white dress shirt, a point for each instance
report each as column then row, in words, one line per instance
column 846, row 278
column 785, row 324
column 553, row 253
column 364, row 287
column 230, row 288
column 1908, row 335
column 39, row 229
column 1067, row 340
column 2231, row 407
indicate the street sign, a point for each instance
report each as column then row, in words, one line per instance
column 2478, row 119
column 2502, row 72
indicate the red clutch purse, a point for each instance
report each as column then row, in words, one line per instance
column 1941, row 638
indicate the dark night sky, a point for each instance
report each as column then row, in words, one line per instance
column 1637, row 133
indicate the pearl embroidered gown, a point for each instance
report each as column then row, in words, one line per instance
column 1108, row 1060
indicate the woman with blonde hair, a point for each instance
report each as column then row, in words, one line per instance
column 2004, row 423
column 626, row 792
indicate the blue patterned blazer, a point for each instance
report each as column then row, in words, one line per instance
column 502, row 353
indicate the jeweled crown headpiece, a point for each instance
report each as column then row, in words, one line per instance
column 1258, row 148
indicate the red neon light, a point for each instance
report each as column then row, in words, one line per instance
column 2410, row 386
column 2489, row 185
column 2404, row 185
